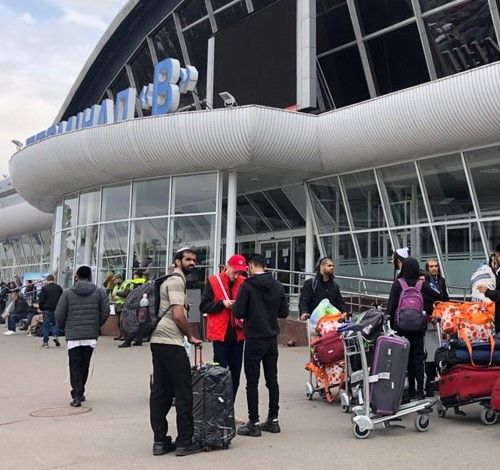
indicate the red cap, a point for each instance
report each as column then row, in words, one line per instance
column 237, row 262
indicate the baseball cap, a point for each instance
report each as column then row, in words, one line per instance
column 237, row 262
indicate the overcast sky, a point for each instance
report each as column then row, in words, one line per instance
column 44, row 45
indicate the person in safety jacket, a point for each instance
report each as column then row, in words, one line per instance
column 118, row 301
column 223, row 329
column 323, row 286
column 138, row 279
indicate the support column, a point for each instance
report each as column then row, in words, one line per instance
column 232, row 192
column 309, row 267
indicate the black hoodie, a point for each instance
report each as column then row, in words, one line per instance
column 261, row 301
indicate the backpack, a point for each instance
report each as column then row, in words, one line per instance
column 133, row 320
column 410, row 312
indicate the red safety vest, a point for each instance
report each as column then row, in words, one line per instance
column 217, row 322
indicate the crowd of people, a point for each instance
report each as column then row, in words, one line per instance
column 242, row 305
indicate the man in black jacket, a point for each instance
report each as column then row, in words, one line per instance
column 19, row 311
column 47, row 303
column 494, row 295
column 321, row 287
column 260, row 302
column 80, row 312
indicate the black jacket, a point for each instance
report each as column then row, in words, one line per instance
column 21, row 307
column 261, row 301
column 315, row 290
column 82, row 310
column 49, row 296
column 440, row 283
column 495, row 296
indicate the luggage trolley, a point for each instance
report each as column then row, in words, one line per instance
column 488, row 415
column 363, row 419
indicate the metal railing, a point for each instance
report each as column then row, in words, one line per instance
column 359, row 292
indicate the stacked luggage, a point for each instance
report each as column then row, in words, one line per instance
column 326, row 362
column 469, row 358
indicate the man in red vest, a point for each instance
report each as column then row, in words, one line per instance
column 225, row 331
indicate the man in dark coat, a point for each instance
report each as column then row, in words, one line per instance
column 80, row 312
column 321, row 287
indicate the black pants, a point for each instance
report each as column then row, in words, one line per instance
column 79, row 362
column 416, row 360
column 171, row 378
column 229, row 354
column 430, row 374
column 263, row 351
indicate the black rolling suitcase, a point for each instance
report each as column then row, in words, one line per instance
column 213, row 407
column 387, row 377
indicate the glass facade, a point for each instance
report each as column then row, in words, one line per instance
column 427, row 205
column 138, row 227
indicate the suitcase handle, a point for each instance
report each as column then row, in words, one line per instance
column 198, row 363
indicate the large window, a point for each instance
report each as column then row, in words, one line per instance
column 195, row 193
column 192, row 11
column 86, row 247
column 375, row 15
column 229, row 15
column 446, row 186
column 70, row 209
column 150, row 198
column 113, row 249
column 89, row 208
column 166, row 42
column 333, row 24
column 142, row 68
column 115, row 202
column 462, row 37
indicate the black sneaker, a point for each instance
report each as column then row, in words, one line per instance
column 125, row 344
column 82, row 398
column 420, row 396
column 192, row 448
column 45, row 345
column 75, row 403
column 250, row 429
column 271, row 425
column 137, row 343
column 163, row 447
column 56, row 342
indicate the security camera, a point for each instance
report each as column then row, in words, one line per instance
column 229, row 100
column 19, row 145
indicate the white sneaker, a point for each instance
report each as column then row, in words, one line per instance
column 9, row 332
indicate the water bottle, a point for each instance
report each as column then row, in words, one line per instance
column 143, row 315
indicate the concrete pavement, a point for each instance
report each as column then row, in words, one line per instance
column 116, row 433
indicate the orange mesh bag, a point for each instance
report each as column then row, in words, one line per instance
column 328, row 323
column 448, row 312
column 328, row 378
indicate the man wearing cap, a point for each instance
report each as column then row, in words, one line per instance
column 223, row 329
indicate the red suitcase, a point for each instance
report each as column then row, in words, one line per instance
column 495, row 396
column 464, row 383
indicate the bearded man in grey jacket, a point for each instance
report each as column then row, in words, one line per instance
column 80, row 312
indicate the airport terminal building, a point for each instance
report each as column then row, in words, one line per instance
column 295, row 128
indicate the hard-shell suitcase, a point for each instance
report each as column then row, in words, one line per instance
column 495, row 396
column 329, row 349
column 213, row 407
column 465, row 383
column 388, row 371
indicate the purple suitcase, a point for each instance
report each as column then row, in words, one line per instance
column 387, row 376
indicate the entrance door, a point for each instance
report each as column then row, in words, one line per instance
column 278, row 255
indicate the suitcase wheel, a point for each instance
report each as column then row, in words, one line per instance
column 360, row 434
column 488, row 416
column 422, row 422
column 309, row 391
column 441, row 411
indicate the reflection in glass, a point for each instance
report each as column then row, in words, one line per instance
column 150, row 198
column 447, row 188
column 142, row 68
column 328, row 206
column 462, row 249
column 56, row 255
column 492, row 230
column 70, row 208
column 462, row 37
column 485, row 169
column 375, row 15
column 375, row 249
column 258, row 4
column 115, row 202
column 403, row 194
column 267, row 210
column 121, row 83
column 333, row 25
column 364, row 200
column 196, row 42
column 192, row 11
column 113, row 249
column 230, row 15
column 195, row 193
column 28, row 249
column 345, row 77
column 397, row 59
column 419, row 241
column 17, row 246
column 427, row 5
column 166, row 41
column 89, row 208
column 67, row 258
column 57, row 218
column 286, row 207
column 149, row 246
column 86, row 248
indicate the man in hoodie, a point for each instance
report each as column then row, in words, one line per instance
column 321, row 287
column 80, row 312
column 260, row 302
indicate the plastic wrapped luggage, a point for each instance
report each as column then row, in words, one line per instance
column 465, row 383
column 456, row 352
column 213, row 407
column 495, row 396
column 388, row 371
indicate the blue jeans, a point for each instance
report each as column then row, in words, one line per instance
column 12, row 321
column 49, row 320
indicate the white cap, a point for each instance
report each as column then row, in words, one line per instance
column 403, row 252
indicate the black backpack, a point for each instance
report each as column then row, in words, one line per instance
column 134, row 324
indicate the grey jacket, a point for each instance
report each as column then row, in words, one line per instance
column 82, row 310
